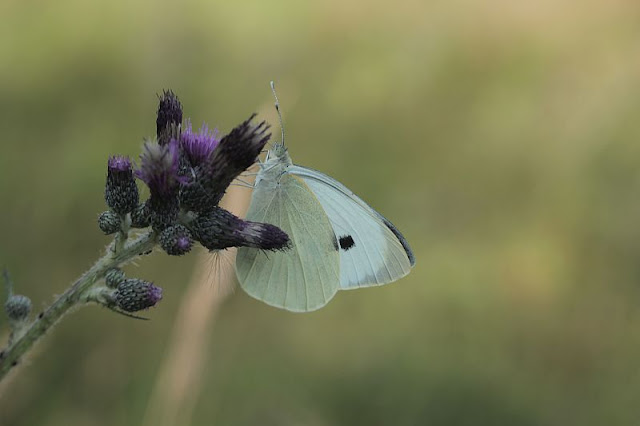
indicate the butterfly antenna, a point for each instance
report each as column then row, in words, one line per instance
column 273, row 89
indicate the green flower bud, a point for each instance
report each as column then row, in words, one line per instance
column 109, row 222
column 18, row 307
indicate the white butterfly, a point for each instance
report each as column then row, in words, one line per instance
column 338, row 242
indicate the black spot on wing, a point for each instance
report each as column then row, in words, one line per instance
column 346, row 242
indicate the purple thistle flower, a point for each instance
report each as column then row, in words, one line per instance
column 134, row 295
column 262, row 235
column 159, row 168
column 121, row 191
column 235, row 152
column 119, row 163
column 239, row 149
column 219, row 229
column 198, row 146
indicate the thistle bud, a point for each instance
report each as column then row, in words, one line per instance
column 121, row 192
column 114, row 277
column 17, row 307
column 169, row 117
column 134, row 295
column 109, row 222
column 140, row 217
column 219, row 229
column 176, row 240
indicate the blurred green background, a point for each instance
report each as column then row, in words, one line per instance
column 501, row 137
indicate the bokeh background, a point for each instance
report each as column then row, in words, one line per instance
column 501, row 137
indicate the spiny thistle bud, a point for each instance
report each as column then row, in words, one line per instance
column 169, row 117
column 135, row 295
column 235, row 152
column 114, row 277
column 176, row 240
column 121, row 192
column 140, row 217
column 109, row 222
column 219, row 229
column 159, row 170
column 18, row 307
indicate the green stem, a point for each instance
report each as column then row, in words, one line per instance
column 114, row 257
column 123, row 234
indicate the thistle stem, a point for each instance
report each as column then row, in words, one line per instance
column 123, row 234
column 71, row 298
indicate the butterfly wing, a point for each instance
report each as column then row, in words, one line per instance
column 372, row 249
column 307, row 275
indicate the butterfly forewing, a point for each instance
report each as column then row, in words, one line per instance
column 307, row 275
column 372, row 250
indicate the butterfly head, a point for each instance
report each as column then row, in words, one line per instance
column 277, row 160
column 275, row 164
column 278, row 152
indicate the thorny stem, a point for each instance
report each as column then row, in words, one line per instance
column 115, row 256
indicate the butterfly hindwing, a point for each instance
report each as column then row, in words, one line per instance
column 305, row 276
column 372, row 250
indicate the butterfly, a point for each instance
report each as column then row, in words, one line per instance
column 338, row 242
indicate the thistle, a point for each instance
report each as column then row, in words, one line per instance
column 235, row 152
column 218, row 229
column 187, row 172
column 159, row 170
column 133, row 295
column 169, row 117
column 121, row 192
column 198, row 146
